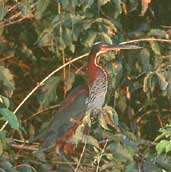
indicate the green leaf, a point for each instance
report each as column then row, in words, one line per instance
column 7, row 78
column 67, row 36
column 69, row 80
column 3, row 12
column 7, row 166
column 90, row 140
column 162, row 81
column 49, row 92
column 2, row 135
column 169, row 91
column 108, row 117
column 155, row 47
column 41, row 6
column 5, row 101
column 117, row 8
column 10, row 117
column 145, row 59
column 161, row 146
column 149, row 82
column 102, row 121
column 112, row 115
column 168, row 147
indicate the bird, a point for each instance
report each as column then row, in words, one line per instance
column 98, row 76
column 82, row 99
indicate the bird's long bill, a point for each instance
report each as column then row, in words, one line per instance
column 121, row 47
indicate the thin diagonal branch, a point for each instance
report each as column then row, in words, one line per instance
column 41, row 83
column 146, row 39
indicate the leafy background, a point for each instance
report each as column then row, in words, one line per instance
column 37, row 37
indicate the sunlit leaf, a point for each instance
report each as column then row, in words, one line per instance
column 10, row 117
column 161, row 146
column 102, row 121
column 108, row 117
column 102, row 2
column 168, row 147
column 155, row 47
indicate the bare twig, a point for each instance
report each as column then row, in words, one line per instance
column 138, row 121
column 6, row 58
column 146, row 39
column 81, row 156
column 82, row 153
column 166, row 27
column 24, row 147
column 41, row 111
column 102, row 152
column 19, row 20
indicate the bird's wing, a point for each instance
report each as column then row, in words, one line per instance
column 73, row 107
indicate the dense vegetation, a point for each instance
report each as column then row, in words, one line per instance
column 133, row 131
